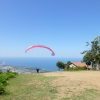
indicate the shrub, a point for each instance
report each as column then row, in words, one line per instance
column 3, row 80
column 2, row 89
column 10, row 75
column 77, row 68
column 0, row 71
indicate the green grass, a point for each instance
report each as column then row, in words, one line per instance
column 39, row 87
column 30, row 87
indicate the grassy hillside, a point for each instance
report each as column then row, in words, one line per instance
column 41, row 87
column 30, row 87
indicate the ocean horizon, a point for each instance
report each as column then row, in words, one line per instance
column 31, row 63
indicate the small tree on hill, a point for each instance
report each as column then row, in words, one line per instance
column 60, row 65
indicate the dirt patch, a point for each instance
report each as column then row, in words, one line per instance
column 73, row 83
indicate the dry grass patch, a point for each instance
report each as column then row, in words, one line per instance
column 75, row 83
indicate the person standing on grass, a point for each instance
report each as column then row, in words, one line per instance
column 37, row 70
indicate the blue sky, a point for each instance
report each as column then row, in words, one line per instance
column 63, row 25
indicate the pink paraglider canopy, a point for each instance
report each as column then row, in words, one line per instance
column 40, row 46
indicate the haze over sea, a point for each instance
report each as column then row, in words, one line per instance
column 44, row 63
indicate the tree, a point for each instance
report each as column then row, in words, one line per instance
column 60, row 65
column 93, row 55
column 87, row 59
column 68, row 63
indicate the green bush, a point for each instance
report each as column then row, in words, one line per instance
column 1, row 72
column 77, row 68
column 10, row 75
column 4, row 77
column 2, row 89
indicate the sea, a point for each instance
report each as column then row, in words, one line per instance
column 30, row 64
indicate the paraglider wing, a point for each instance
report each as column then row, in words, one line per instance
column 40, row 46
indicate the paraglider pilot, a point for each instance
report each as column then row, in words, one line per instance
column 37, row 70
